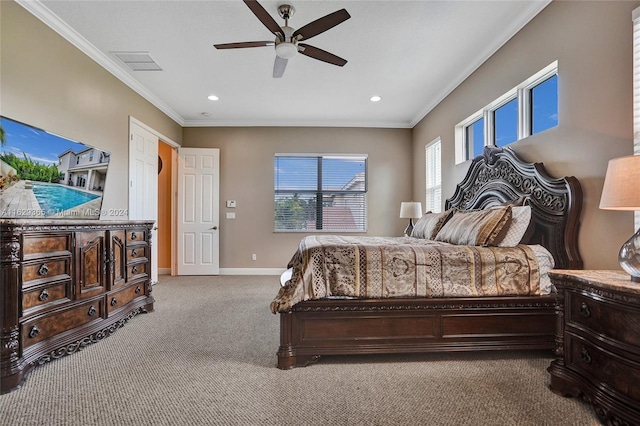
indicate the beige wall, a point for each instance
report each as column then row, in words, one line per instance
column 246, row 163
column 592, row 42
column 48, row 83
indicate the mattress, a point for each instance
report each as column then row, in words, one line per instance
column 333, row 266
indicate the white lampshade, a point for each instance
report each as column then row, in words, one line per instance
column 410, row 209
column 621, row 189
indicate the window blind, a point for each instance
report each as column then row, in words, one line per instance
column 433, row 177
column 320, row 193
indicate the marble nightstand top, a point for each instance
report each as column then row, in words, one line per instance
column 611, row 280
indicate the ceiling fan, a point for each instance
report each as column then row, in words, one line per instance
column 287, row 42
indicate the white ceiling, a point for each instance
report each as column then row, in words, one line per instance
column 411, row 53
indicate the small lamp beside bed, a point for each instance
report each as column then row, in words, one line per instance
column 621, row 191
column 410, row 210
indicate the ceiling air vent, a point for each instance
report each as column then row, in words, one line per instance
column 137, row 61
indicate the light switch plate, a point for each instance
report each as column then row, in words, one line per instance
column 231, row 204
column 231, row 215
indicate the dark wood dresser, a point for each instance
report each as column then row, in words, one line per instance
column 67, row 284
column 598, row 343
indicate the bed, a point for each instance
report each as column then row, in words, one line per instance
column 520, row 315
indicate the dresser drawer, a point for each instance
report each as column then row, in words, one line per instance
column 604, row 317
column 46, row 244
column 136, row 252
column 136, row 270
column 46, row 270
column 602, row 366
column 137, row 236
column 42, row 297
column 122, row 297
column 49, row 325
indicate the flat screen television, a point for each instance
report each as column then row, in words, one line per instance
column 46, row 176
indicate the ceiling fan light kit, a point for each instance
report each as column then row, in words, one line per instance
column 287, row 38
column 286, row 50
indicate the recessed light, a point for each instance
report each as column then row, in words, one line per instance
column 213, row 98
column 375, row 98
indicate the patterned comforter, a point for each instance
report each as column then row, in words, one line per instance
column 332, row 266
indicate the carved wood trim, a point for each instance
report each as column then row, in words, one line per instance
column 499, row 176
column 86, row 341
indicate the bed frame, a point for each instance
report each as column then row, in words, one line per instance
column 373, row 326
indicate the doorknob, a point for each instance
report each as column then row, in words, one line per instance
column 214, row 228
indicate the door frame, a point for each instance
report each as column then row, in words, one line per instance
column 174, row 145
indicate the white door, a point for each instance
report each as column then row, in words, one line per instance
column 143, row 183
column 198, row 211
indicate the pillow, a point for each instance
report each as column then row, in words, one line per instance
column 428, row 225
column 520, row 223
column 476, row 227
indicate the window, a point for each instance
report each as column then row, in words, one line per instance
column 474, row 134
column 320, row 192
column 544, row 105
column 529, row 108
column 433, row 177
column 505, row 123
column 91, row 155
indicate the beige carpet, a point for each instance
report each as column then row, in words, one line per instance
column 206, row 356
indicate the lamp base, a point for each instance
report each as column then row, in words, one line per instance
column 409, row 229
column 629, row 257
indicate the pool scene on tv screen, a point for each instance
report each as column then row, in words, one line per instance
column 43, row 175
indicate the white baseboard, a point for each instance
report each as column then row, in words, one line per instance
column 252, row 271
column 164, row 271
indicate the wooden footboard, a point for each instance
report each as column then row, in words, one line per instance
column 339, row 327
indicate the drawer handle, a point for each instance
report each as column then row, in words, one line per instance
column 44, row 270
column 114, row 302
column 44, row 295
column 584, row 356
column 138, row 290
column 34, row 332
column 134, row 236
column 584, row 310
column 134, row 269
column 92, row 311
column 134, row 253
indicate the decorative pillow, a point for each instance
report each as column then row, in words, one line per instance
column 428, row 225
column 476, row 227
column 520, row 222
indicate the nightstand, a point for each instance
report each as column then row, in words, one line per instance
column 598, row 342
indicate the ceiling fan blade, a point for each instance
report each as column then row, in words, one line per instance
column 321, row 25
column 244, row 44
column 279, row 66
column 321, row 55
column 265, row 18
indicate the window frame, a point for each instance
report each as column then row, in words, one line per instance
column 319, row 192
column 522, row 92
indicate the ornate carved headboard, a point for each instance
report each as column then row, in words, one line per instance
column 499, row 176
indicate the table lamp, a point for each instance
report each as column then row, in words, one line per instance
column 621, row 191
column 410, row 210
